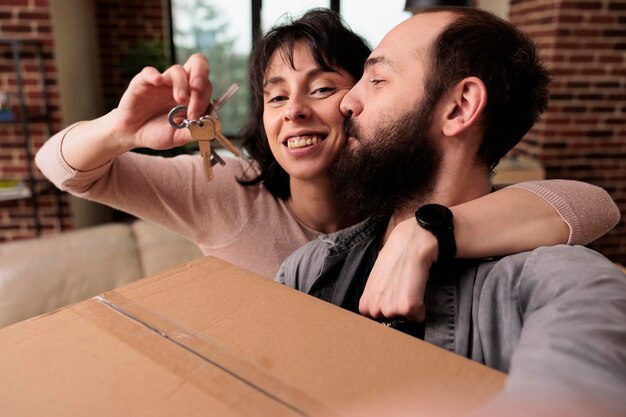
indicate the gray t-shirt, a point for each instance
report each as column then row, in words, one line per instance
column 553, row 318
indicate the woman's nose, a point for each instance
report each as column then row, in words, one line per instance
column 296, row 109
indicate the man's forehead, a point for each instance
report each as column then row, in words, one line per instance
column 414, row 34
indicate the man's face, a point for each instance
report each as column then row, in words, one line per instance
column 391, row 156
column 395, row 164
column 393, row 77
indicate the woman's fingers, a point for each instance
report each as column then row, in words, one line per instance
column 176, row 76
column 197, row 66
column 189, row 83
column 149, row 76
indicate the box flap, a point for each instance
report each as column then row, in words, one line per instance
column 210, row 336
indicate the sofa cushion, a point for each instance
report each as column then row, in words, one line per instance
column 161, row 249
column 40, row 275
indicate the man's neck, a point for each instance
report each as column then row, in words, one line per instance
column 454, row 186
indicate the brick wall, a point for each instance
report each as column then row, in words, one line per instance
column 131, row 33
column 131, row 36
column 30, row 20
column 582, row 135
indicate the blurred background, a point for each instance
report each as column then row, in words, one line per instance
column 67, row 60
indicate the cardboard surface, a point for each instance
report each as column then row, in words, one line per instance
column 208, row 338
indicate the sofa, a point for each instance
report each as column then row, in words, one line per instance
column 42, row 274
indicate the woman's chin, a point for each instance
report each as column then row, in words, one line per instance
column 307, row 172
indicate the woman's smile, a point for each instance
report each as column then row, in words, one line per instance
column 300, row 142
column 301, row 114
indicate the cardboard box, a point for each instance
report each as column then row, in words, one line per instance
column 210, row 339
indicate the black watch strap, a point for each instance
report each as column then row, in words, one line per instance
column 447, row 244
column 438, row 220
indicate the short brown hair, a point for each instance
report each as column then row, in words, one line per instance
column 480, row 44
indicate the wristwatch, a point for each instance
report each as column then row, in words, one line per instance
column 437, row 219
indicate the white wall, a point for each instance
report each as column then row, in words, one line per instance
column 498, row 7
column 76, row 52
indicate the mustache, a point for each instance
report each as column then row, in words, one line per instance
column 349, row 129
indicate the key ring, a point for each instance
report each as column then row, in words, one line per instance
column 186, row 122
column 170, row 117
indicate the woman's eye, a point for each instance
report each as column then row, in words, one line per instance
column 323, row 90
column 277, row 99
column 375, row 81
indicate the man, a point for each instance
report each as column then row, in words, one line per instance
column 444, row 96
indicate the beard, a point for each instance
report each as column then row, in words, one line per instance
column 392, row 168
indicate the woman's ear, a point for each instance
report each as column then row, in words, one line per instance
column 464, row 105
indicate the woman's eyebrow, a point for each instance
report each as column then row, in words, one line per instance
column 273, row 80
column 312, row 73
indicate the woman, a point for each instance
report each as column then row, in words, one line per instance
column 255, row 213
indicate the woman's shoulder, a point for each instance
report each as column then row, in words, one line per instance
column 226, row 183
column 236, row 169
column 244, row 168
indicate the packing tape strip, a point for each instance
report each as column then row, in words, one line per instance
column 212, row 353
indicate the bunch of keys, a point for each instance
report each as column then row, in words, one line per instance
column 205, row 129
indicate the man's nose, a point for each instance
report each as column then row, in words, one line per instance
column 350, row 106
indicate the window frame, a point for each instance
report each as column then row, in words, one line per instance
column 255, row 21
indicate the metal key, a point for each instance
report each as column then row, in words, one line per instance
column 204, row 131
column 223, row 140
column 214, row 106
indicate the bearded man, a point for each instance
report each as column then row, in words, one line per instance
column 444, row 96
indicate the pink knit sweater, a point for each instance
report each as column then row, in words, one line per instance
column 247, row 226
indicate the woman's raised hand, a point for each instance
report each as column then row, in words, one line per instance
column 140, row 120
column 141, row 116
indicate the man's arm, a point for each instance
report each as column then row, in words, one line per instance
column 507, row 221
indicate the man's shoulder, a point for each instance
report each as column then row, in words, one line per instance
column 306, row 261
column 564, row 255
column 572, row 263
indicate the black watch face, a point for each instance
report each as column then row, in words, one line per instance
column 434, row 215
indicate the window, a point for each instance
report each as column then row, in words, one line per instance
column 372, row 19
column 273, row 10
column 223, row 31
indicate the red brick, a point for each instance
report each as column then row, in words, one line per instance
column 595, row 45
column 602, row 19
column 585, row 58
column 15, row 2
column 29, row 15
column 9, row 28
column 614, row 33
column 583, row 5
column 570, row 18
column 593, row 71
column 608, row 84
column 615, row 5
column 611, row 59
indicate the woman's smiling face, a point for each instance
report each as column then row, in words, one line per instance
column 301, row 115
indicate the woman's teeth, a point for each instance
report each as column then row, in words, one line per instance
column 303, row 142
